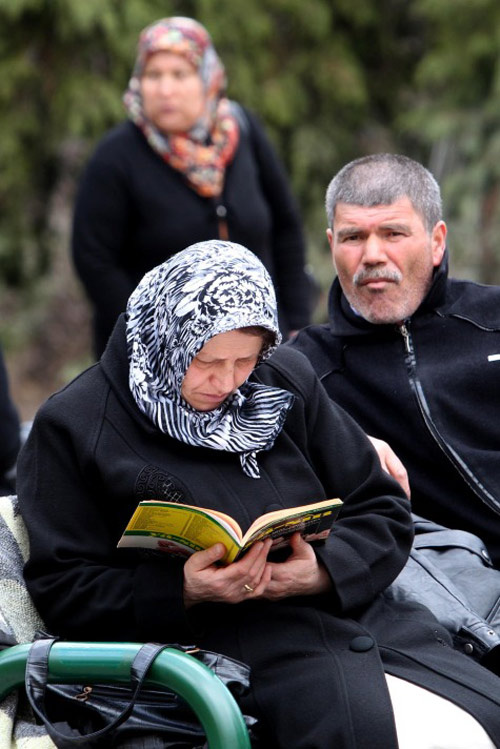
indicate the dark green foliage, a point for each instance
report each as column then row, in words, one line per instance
column 324, row 77
column 62, row 65
column 331, row 81
column 455, row 111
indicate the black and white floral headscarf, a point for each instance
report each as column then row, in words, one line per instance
column 209, row 288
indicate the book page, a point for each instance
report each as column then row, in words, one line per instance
column 157, row 523
column 313, row 521
column 292, row 513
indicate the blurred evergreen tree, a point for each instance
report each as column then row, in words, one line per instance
column 330, row 80
column 61, row 67
column 324, row 77
column 454, row 113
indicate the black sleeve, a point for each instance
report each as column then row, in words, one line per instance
column 101, row 225
column 370, row 544
column 372, row 537
column 83, row 588
column 289, row 252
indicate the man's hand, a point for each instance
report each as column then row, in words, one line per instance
column 391, row 463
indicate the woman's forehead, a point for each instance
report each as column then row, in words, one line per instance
column 232, row 342
column 167, row 60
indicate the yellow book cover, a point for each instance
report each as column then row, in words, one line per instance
column 183, row 529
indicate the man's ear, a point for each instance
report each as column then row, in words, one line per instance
column 329, row 236
column 438, row 240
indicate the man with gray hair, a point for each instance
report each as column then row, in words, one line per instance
column 412, row 355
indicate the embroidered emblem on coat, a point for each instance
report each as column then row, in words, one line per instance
column 155, row 483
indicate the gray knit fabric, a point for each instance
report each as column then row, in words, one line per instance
column 19, row 621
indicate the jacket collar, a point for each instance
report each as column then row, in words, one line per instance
column 345, row 322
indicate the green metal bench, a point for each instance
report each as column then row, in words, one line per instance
column 212, row 702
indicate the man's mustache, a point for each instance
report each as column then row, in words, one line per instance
column 376, row 274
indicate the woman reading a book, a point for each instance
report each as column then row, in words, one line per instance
column 194, row 402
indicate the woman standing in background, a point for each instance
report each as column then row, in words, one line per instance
column 187, row 166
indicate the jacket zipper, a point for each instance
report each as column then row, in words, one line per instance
column 463, row 469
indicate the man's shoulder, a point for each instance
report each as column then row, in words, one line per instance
column 311, row 335
column 287, row 360
column 287, row 368
column 479, row 302
column 318, row 345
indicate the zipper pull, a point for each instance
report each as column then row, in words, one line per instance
column 84, row 694
column 406, row 337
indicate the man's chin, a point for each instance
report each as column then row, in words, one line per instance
column 383, row 320
column 379, row 316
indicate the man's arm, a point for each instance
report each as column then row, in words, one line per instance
column 391, row 463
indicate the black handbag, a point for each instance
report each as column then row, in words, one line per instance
column 107, row 715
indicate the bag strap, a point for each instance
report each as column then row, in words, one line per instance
column 37, row 668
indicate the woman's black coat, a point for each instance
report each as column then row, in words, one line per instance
column 318, row 662
column 133, row 211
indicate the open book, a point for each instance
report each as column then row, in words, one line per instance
column 182, row 529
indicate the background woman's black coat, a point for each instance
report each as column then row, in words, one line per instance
column 318, row 661
column 133, row 211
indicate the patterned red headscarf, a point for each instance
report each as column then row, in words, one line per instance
column 203, row 153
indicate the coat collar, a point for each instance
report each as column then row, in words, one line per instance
column 114, row 364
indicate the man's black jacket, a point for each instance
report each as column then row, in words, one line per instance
column 431, row 389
